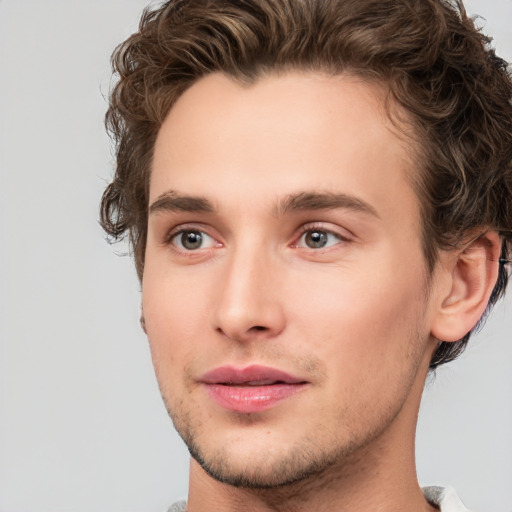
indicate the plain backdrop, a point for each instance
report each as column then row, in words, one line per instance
column 82, row 426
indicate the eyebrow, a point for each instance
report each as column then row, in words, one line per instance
column 324, row 201
column 171, row 201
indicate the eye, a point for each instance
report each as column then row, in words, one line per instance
column 318, row 239
column 192, row 240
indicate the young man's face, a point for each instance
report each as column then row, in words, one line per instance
column 285, row 290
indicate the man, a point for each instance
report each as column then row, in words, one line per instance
column 319, row 198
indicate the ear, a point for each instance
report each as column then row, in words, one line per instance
column 142, row 320
column 467, row 279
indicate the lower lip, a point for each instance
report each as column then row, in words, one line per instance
column 247, row 399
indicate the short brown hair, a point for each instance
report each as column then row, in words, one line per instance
column 428, row 54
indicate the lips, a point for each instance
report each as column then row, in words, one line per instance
column 251, row 389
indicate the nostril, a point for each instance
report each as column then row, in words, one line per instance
column 259, row 328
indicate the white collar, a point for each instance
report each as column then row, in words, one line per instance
column 445, row 498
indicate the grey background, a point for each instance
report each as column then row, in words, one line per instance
column 82, row 427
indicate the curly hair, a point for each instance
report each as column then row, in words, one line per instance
column 428, row 54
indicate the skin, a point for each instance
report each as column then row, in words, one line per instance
column 355, row 319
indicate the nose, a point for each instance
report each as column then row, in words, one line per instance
column 248, row 304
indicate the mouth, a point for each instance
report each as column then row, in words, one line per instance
column 251, row 389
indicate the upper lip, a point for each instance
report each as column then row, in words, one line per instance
column 250, row 375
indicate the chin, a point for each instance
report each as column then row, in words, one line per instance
column 262, row 470
column 259, row 464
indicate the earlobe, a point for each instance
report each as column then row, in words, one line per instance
column 470, row 275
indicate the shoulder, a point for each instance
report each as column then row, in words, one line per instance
column 445, row 498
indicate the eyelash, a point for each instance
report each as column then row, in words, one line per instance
column 304, row 230
column 176, row 233
column 319, row 228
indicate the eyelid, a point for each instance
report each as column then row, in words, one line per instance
column 207, row 242
column 186, row 226
column 343, row 234
column 181, row 228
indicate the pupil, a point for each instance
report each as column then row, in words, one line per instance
column 316, row 239
column 191, row 240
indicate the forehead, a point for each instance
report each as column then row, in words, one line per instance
column 283, row 135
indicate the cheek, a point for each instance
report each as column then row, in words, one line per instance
column 366, row 322
column 369, row 339
column 175, row 311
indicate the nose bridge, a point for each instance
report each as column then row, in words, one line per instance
column 248, row 303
